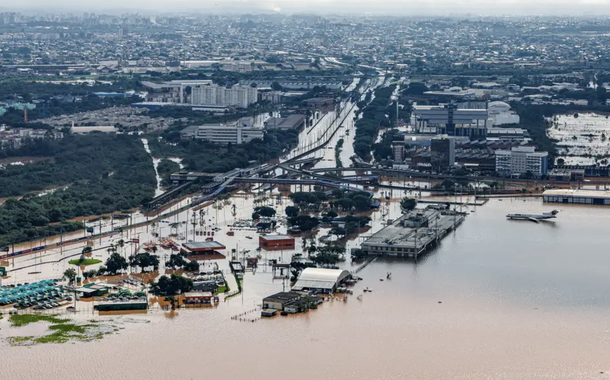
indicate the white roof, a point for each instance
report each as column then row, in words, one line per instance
column 320, row 278
column 499, row 105
column 604, row 194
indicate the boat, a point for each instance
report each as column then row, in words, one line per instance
column 230, row 233
column 366, row 290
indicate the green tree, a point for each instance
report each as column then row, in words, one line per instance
column 168, row 286
column 192, row 266
column 292, row 211
column 116, row 263
column 332, row 214
column 145, row 260
column 407, row 204
column 265, row 211
column 175, row 261
column 362, row 203
column 70, row 275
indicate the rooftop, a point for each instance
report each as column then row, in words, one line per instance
column 203, row 245
column 602, row 194
column 276, row 237
column 320, row 278
column 282, row 297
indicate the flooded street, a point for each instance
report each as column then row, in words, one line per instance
column 497, row 299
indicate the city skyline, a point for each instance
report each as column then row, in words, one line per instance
column 322, row 7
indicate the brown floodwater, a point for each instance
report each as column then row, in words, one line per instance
column 497, row 299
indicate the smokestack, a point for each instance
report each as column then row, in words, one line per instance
column 25, row 115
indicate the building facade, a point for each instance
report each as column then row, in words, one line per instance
column 522, row 160
column 450, row 120
column 398, row 151
column 236, row 96
column 228, row 134
column 442, row 153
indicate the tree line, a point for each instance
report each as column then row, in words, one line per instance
column 102, row 174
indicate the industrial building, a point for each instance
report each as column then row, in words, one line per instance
column 289, row 302
column 522, row 160
column 450, row 120
column 320, row 280
column 295, row 121
column 121, row 306
column 275, row 242
column 500, row 114
column 279, row 300
column 586, row 197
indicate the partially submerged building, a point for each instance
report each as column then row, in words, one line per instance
column 203, row 248
column 321, row 280
column 275, row 242
column 413, row 233
column 289, row 302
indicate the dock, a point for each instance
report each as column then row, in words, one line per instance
column 414, row 233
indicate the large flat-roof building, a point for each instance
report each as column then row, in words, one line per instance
column 411, row 234
column 203, row 247
column 586, row 197
column 450, row 120
column 294, row 121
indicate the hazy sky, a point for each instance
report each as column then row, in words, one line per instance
column 378, row 7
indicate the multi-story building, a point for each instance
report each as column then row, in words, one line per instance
column 211, row 94
column 398, row 151
column 450, row 120
column 522, row 160
column 442, row 153
column 235, row 133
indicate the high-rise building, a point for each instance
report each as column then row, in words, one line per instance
column 442, row 153
column 522, row 160
column 398, row 150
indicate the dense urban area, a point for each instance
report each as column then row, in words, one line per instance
column 157, row 163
